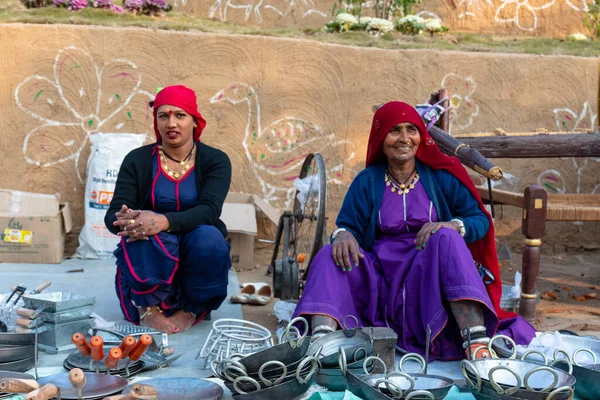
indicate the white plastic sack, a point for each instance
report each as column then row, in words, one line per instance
column 306, row 187
column 107, row 154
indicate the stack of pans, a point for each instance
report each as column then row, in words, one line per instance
column 567, row 351
column 397, row 384
column 355, row 344
column 283, row 371
column 76, row 360
column 17, row 351
column 516, row 379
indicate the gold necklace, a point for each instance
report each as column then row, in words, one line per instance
column 403, row 188
column 171, row 172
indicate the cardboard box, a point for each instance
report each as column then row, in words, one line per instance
column 239, row 214
column 32, row 227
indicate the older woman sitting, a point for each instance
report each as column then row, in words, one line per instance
column 414, row 249
column 173, row 259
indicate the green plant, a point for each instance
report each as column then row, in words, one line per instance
column 353, row 7
column 591, row 18
column 36, row 3
column 410, row 25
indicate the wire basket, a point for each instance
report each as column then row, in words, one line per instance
column 230, row 337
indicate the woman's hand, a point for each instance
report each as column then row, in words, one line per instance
column 146, row 223
column 431, row 228
column 344, row 250
column 126, row 213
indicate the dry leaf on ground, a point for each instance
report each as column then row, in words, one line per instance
column 549, row 296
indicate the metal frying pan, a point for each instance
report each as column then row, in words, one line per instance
column 13, row 338
column 10, row 353
column 183, row 388
column 97, row 386
column 18, row 366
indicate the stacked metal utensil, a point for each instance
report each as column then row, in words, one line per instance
column 509, row 379
column 395, row 384
column 278, row 372
column 56, row 316
column 17, row 350
column 578, row 355
column 356, row 345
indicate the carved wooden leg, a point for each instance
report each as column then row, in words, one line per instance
column 533, row 224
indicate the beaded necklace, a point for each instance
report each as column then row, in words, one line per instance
column 185, row 163
column 403, row 188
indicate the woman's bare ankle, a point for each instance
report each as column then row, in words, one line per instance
column 152, row 317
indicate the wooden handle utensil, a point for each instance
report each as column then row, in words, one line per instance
column 144, row 392
column 77, row 378
column 25, row 312
column 81, row 344
column 13, row 385
column 46, row 392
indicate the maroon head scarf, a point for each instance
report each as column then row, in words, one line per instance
column 394, row 113
column 184, row 98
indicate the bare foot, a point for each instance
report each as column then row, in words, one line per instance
column 183, row 320
column 158, row 321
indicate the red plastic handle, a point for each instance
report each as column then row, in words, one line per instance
column 97, row 348
column 114, row 355
column 81, row 344
column 143, row 343
column 127, row 344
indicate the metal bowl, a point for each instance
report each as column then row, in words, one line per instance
column 355, row 342
column 516, row 379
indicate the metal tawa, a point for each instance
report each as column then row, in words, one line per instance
column 183, row 388
column 97, row 386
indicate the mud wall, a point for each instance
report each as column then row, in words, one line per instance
column 269, row 102
column 548, row 18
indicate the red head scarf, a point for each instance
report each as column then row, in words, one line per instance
column 394, row 113
column 184, row 98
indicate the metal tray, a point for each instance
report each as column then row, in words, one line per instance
column 14, row 353
column 18, row 366
column 62, row 317
column 60, row 335
column 183, row 388
column 57, row 301
column 97, row 386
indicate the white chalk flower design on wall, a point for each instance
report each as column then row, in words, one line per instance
column 77, row 100
column 462, row 107
column 521, row 12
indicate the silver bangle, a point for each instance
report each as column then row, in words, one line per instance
column 474, row 329
column 338, row 230
column 323, row 328
column 461, row 226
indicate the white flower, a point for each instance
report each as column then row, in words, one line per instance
column 365, row 20
column 433, row 25
column 80, row 99
column 381, row 25
column 578, row 37
column 345, row 18
column 413, row 19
